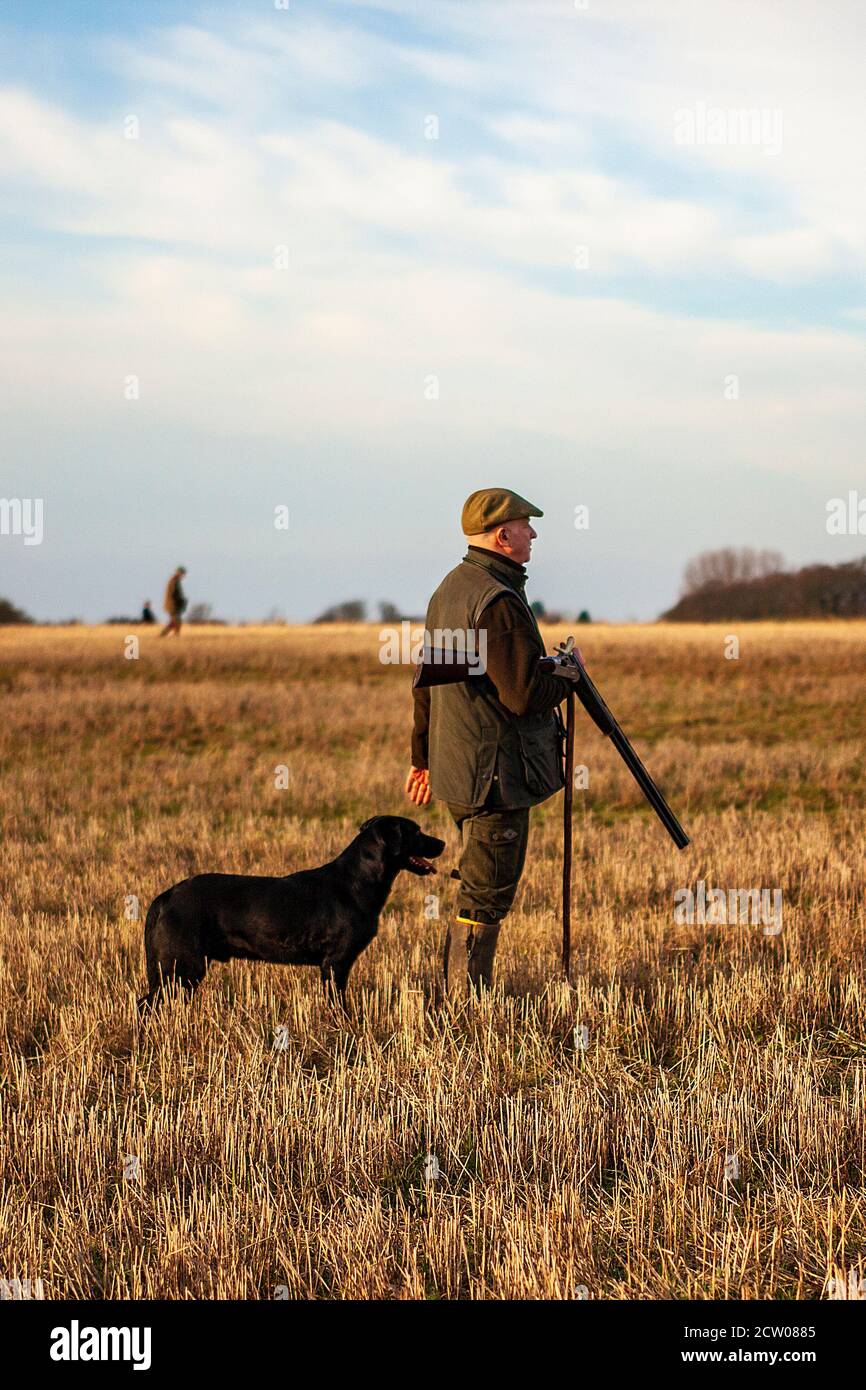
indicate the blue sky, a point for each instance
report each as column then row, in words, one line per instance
column 325, row 308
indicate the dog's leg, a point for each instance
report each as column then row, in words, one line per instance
column 172, row 951
column 153, row 998
column 335, row 977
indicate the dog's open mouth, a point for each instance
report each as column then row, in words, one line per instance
column 419, row 865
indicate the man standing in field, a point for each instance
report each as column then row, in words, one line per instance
column 174, row 602
column 490, row 747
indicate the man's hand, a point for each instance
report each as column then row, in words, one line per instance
column 418, row 786
column 570, row 673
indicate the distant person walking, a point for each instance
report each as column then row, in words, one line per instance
column 175, row 602
column 147, row 613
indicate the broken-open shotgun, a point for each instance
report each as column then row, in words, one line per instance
column 444, row 667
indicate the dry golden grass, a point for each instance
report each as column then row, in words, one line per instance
column 300, row 1170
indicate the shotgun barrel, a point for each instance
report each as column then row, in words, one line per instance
column 633, row 762
column 444, row 667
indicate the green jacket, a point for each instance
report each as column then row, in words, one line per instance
column 473, row 736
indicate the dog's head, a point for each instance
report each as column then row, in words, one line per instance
column 404, row 841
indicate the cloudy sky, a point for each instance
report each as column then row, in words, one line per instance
column 358, row 259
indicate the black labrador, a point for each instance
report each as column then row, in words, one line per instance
column 321, row 917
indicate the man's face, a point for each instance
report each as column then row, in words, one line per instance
column 516, row 538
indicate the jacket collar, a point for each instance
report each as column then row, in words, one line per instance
column 508, row 571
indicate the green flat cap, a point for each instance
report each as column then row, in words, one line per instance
column 492, row 506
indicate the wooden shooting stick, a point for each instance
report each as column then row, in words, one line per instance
column 567, row 805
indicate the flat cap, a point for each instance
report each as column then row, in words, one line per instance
column 492, row 506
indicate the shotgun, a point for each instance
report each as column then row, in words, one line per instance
column 446, row 667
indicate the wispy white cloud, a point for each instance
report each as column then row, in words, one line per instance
column 327, row 186
column 454, row 258
column 629, row 68
column 468, row 227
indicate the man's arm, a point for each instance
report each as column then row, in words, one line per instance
column 418, row 782
column 512, row 660
column 512, row 665
column 421, row 729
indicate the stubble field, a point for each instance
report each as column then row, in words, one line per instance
column 688, row 1121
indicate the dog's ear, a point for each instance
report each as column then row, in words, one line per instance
column 392, row 834
column 390, row 830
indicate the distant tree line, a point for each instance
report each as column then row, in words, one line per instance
column 351, row 610
column 198, row 614
column 553, row 615
column 719, row 568
column 354, row 610
column 10, row 614
column 728, row 585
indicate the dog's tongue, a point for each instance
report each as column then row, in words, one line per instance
column 422, row 863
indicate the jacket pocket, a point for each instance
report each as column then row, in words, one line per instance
column 541, row 759
column 485, row 766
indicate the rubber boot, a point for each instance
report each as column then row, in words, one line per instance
column 458, row 945
column 482, row 955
